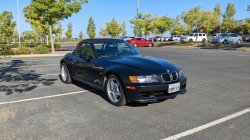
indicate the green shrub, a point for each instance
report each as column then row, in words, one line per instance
column 3, row 42
column 41, row 49
column 55, row 46
column 22, row 50
column 36, row 44
column 10, row 46
column 6, row 50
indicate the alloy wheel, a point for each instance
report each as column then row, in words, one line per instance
column 64, row 73
column 113, row 89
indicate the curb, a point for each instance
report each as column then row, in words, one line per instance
column 32, row 55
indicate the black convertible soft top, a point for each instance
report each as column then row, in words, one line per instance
column 99, row 39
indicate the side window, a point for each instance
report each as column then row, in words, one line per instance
column 143, row 39
column 200, row 34
column 86, row 49
column 138, row 39
column 231, row 35
column 235, row 35
column 204, row 34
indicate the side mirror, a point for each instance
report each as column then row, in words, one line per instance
column 82, row 56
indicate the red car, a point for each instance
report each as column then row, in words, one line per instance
column 140, row 42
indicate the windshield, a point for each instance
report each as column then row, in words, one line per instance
column 223, row 35
column 114, row 48
column 190, row 34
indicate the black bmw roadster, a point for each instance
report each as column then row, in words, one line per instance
column 114, row 66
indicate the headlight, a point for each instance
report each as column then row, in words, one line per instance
column 221, row 39
column 181, row 74
column 143, row 79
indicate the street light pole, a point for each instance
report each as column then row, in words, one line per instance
column 18, row 23
column 138, row 8
column 244, row 16
column 220, row 23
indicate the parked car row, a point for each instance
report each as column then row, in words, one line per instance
column 191, row 37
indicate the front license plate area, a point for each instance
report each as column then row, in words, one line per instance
column 174, row 88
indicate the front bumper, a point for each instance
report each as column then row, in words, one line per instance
column 152, row 93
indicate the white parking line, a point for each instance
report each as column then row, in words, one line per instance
column 39, row 75
column 205, row 126
column 243, row 55
column 45, row 97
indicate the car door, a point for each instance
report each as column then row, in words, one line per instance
column 230, row 38
column 144, row 42
column 85, row 69
column 236, row 38
column 139, row 42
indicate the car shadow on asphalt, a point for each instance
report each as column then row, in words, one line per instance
column 15, row 79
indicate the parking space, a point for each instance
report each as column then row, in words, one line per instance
column 35, row 104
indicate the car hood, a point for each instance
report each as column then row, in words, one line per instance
column 145, row 63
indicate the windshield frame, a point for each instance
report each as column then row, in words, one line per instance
column 136, row 52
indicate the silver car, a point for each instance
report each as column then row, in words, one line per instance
column 227, row 38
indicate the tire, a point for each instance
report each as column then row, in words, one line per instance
column 225, row 42
column 149, row 45
column 112, row 85
column 190, row 41
column 135, row 45
column 65, row 76
column 238, row 42
column 203, row 40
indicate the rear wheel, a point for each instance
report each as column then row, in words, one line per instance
column 114, row 91
column 149, row 45
column 135, row 45
column 203, row 40
column 65, row 74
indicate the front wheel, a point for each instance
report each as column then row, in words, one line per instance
column 135, row 45
column 114, row 91
column 149, row 45
column 238, row 42
column 225, row 42
column 190, row 40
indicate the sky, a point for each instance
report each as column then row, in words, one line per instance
column 122, row 10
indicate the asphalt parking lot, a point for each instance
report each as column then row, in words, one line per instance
column 35, row 104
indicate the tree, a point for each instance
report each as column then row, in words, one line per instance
column 138, row 23
column 228, row 18
column 91, row 28
column 28, row 35
column 52, row 11
column 102, row 32
column 124, row 32
column 206, row 22
column 192, row 18
column 135, row 32
column 165, row 24
column 151, row 24
column 217, row 16
column 80, row 35
column 6, row 26
column 69, row 31
column 178, row 28
column 59, row 30
column 113, row 28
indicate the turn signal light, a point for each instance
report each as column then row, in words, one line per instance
column 128, row 87
column 133, row 79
